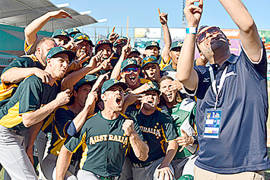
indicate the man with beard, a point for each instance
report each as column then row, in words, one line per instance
column 158, row 131
column 68, row 120
column 183, row 112
column 232, row 96
column 105, row 138
column 32, row 102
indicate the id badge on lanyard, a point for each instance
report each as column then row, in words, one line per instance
column 213, row 116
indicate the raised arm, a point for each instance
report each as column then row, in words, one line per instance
column 117, row 68
column 31, row 30
column 163, row 17
column 248, row 31
column 185, row 72
column 78, row 122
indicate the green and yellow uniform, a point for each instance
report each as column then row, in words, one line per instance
column 157, row 129
column 104, row 144
column 61, row 120
column 7, row 90
column 30, row 95
column 183, row 115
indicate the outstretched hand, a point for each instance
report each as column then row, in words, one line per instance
column 193, row 13
column 60, row 14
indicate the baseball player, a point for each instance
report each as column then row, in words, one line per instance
column 158, row 130
column 32, row 102
column 151, row 69
column 182, row 111
column 105, row 138
column 74, row 114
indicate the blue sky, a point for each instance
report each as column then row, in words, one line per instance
column 143, row 13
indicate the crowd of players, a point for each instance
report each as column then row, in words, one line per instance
column 107, row 111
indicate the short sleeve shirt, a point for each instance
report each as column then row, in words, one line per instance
column 29, row 96
column 243, row 101
column 104, row 144
column 157, row 129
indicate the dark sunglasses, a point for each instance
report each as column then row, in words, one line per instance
column 134, row 69
column 201, row 37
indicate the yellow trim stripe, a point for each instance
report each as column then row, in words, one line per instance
column 81, row 142
column 12, row 118
column 84, row 155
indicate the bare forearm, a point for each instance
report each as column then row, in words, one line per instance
column 170, row 153
column 117, row 69
column 31, row 118
column 35, row 26
column 33, row 132
column 139, row 147
column 62, row 163
column 185, row 61
column 167, row 42
column 70, row 80
column 80, row 119
column 15, row 75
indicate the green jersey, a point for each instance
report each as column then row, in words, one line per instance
column 183, row 115
column 157, row 129
column 104, row 144
column 7, row 90
column 30, row 95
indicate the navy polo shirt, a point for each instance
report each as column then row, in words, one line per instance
column 243, row 100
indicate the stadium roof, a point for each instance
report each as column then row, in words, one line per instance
column 22, row 12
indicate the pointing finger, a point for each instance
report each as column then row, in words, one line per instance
column 159, row 11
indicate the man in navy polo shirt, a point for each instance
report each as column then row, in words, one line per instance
column 232, row 96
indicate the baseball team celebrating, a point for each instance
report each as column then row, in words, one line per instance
column 71, row 109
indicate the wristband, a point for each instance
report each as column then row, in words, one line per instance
column 191, row 30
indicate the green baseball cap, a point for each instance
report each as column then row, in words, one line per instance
column 101, row 42
column 186, row 177
column 60, row 32
column 134, row 50
column 149, row 60
column 176, row 44
column 58, row 50
column 110, row 83
column 152, row 44
column 84, row 37
column 88, row 79
column 72, row 31
column 128, row 62
column 122, row 40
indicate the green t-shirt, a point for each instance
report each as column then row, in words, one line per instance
column 157, row 130
column 29, row 96
column 104, row 145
